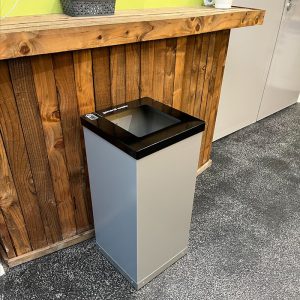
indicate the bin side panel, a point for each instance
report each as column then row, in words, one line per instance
column 113, row 188
column 166, row 184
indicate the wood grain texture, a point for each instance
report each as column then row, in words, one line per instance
column 83, row 68
column 16, row 151
column 5, row 239
column 118, row 74
column 133, row 71
column 204, row 95
column 222, row 40
column 65, row 82
column 10, row 207
column 43, row 34
column 147, row 68
column 78, row 238
column 169, row 73
column 159, row 70
column 194, row 74
column 179, row 71
column 201, row 74
column 49, row 111
column 52, row 91
column 187, row 74
column 213, row 86
column 208, row 70
column 101, row 73
column 23, row 83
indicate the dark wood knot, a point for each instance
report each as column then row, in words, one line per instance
column 56, row 115
column 59, row 144
column 24, row 49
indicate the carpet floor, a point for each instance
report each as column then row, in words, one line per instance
column 244, row 239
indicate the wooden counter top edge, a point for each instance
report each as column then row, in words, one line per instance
column 25, row 40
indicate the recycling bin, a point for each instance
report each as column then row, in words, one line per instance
column 142, row 160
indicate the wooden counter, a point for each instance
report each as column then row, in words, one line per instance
column 22, row 36
column 54, row 68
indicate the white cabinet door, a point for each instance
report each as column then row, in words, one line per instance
column 248, row 61
column 283, row 84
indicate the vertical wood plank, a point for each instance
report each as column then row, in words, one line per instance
column 214, row 86
column 201, row 74
column 194, row 74
column 23, row 84
column 101, row 74
column 187, row 74
column 222, row 40
column 147, row 68
column 209, row 65
column 159, row 70
column 204, row 97
column 48, row 106
column 83, row 68
column 5, row 239
column 64, row 76
column 169, row 71
column 133, row 71
column 18, row 160
column 10, row 206
column 118, row 74
column 179, row 71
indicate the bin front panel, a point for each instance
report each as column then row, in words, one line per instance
column 166, row 185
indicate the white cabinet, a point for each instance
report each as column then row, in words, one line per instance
column 283, row 84
column 248, row 62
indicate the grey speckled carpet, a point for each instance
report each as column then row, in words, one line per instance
column 245, row 234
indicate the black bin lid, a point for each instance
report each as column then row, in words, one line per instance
column 143, row 126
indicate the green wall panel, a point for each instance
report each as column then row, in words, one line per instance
column 34, row 7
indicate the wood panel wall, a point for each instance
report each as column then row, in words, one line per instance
column 44, row 187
